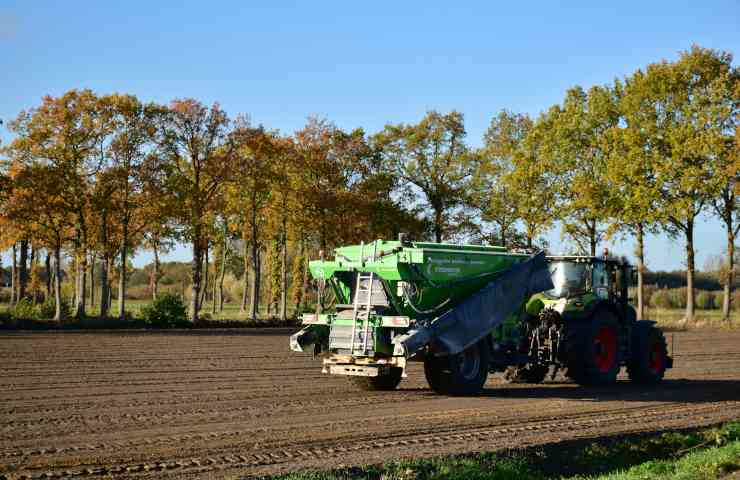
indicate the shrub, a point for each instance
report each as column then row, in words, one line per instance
column 23, row 310
column 660, row 299
column 705, row 300
column 166, row 311
column 719, row 297
column 4, row 295
column 48, row 308
column 677, row 297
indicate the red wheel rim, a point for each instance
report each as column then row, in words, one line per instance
column 655, row 362
column 605, row 348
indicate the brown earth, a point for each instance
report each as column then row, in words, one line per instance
column 231, row 404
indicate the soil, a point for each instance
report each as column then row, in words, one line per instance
column 238, row 403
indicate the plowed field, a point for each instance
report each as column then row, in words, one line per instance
column 238, row 403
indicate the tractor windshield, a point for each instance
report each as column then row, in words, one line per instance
column 569, row 278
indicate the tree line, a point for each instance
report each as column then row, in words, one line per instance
column 94, row 178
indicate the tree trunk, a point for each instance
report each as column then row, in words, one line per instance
column 105, row 287
column 438, row 225
column 47, row 266
column 298, row 276
column 155, row 273
column 58, row 312
column 304, row 283
column 727, row 294
column 689, row 270
column 76, row 283
column 214, row 284
column 82, row 278
column 222, row 274
column 14, row 278
column 640, row 271
column 243, row 307
column 204, row 290
column 92, row 279
column 83, row 285
column 122, row 276
column 23, row 270
column 592, row 238
column 284, row 276
column 110, row 290
column 197, row 267
column 256, row 278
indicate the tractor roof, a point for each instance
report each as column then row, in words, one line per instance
column 588, row 259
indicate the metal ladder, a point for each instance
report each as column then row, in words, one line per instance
column 364, row 286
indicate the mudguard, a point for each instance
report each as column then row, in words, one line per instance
column 475, row 317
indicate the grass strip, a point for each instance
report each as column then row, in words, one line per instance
column 708, row 453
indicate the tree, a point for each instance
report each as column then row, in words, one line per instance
column 248, row 196
column 285, row 161
column 66, row 133
column 107, row 234
column 37, row 201
column 725, row 151
column 494, row 196
column 681, row 104
column 132, row 135
column 634, row 194
column 432, row 157
column 195, row 156
column 531, row 182
column 577, row 151
column 159, row 237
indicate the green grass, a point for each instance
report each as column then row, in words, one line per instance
column 705, row 454
column 713, row 463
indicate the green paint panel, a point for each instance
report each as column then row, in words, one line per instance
column 441, row 273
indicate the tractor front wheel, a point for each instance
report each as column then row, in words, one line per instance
column 462, row 374
column 389, row 381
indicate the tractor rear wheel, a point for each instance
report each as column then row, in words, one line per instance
column 461, row 374
column 592, row 349
column 526, row 374
column 649, row 358
column 389, row 381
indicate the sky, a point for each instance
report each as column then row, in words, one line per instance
column 359, row 64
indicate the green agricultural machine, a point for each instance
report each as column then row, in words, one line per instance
column 467, row 310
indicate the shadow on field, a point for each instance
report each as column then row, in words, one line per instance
column 680, row 390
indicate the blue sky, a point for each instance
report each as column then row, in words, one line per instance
column 356, row 63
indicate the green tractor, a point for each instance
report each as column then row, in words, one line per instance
column 584, row 326
column 467, row 310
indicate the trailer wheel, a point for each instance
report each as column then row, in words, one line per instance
column 592, row 350
column 526, row 374
column 649, row 358
column 461, row 374
column 385, row 382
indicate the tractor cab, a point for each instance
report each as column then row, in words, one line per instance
column 586, row 280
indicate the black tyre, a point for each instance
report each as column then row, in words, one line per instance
column 591, row 350
column 649, row 358
column 388, row 381
column 526, row 374
column 461, row 374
